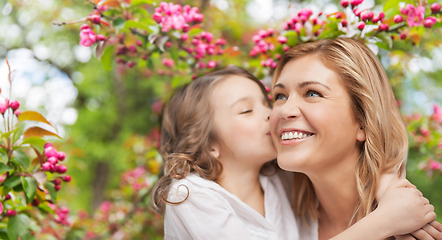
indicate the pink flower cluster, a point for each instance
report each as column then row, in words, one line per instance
column 14, row 105
column 135, row 178
column 88, row 36
column 52, row 163
column 61, row 214
column 437, row 113
column 261, row 45
column 174, row 16
column 416, row 15
column 168, row 62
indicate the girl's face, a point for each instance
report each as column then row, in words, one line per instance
column 241, row 120
column 312, row 123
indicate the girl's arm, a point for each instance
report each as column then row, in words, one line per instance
column 402, row 210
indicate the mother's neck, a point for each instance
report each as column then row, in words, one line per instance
column 336, row 190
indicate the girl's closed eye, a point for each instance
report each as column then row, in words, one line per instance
column 246, row 111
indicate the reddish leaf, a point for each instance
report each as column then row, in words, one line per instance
column 33, row 116
column 40, row 157
column 38, row 132
column 110, row 3
column 232, row 51
column 102, row 21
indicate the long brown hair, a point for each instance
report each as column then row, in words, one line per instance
column 187, row 133
column 374, row 107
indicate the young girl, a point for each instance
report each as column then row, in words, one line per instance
column 220, row 182
column 336, row 95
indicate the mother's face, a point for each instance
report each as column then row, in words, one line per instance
column 312, row 123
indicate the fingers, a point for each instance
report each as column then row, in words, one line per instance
column 405, row 237
column 422, row 235
column 430, row 216
column 436, row 225
column 432, row 231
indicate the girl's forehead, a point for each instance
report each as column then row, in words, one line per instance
column 232, row 88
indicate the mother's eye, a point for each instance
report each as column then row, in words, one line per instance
column 280, row 97
column 312, row 93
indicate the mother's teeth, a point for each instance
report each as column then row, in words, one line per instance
column 293, row 135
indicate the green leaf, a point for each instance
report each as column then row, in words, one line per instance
column 155, row 29
column 11, row 182
column 195, row 31
column 18, row 226
column 107, row 58
column 44, row 207
column 52, row 192
column 119, row 23
column 5, row 168
column 382, row 45
column 150, row 64
column 391, row 4
column 135, row 3
column 4, row 234
column 386, row 39
column 34, row 141
column 7, row 134
column 292, row 38
column 174, row 54
column 134, row 24
column 21, row 158
column 30, row 187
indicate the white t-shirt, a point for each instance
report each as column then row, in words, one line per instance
column 211, row 212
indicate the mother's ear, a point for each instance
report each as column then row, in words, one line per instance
column 360, row 135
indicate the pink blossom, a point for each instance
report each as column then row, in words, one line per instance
column 344, row 3
column 356, row 2
column 429, row 22
column 398, row 18
column 305, row 12
column 209, row 37
column 101, row 37
column 437, row 114
column 435, row 8
column 156, row 107
column 262, row 33
column 4, row 105
column 440, row 145
column 415, row 15
column 184, row 37
column 220, row 42
column 434, row 165
column 168, row 62
column 211, row 64
column 281, row 39
column 157, row 17
column 361, row 26
column 424, row 131
column 166, row 24
column 87, row 37
column 178, row 22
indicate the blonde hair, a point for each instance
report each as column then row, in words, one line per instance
column 374, row 107
column 187, row 133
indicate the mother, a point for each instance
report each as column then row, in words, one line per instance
column 337, row 95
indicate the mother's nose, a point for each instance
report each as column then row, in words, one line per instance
column 290, row 109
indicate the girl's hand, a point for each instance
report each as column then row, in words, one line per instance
column 430, row 231
column 404, row 209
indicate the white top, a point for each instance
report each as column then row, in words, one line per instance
column 211, row 212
